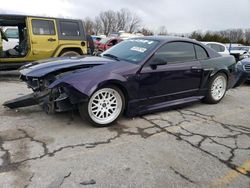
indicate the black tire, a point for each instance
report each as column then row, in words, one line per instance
column 69, row 54
column 86, row 114
column 209, row 96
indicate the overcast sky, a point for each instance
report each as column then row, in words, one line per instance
column 180, row 16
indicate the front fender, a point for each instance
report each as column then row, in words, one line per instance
column 86, row 85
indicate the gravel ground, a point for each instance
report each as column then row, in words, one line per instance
column 196, row 146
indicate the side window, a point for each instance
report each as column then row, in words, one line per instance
column 222, row 48
column 12, row 33
column 176, row 52
column 43, row 27
column 217, row 47
column 69, row 28
column 200, row 52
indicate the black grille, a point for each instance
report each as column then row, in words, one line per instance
column 247, row 68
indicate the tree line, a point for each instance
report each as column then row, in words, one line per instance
column 241, row 36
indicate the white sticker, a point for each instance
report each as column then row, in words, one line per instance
column 142, row 41
column 138, row 49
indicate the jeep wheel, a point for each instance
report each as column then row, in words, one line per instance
column 69, row 54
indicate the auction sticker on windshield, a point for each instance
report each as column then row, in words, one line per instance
column 138, row 49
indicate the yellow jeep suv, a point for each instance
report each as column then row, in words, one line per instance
column 36, row 38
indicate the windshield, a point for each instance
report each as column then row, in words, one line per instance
column 104, row 40
column 133, row 50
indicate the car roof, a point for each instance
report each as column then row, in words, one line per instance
column 22, row 16
column 166, row 38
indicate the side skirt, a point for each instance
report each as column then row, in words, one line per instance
column 140, row 110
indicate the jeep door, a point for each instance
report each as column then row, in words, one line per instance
column 43, row 37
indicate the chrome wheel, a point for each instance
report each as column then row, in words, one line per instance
column 218, row 88
column 105, row 106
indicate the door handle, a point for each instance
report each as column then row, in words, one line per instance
column 51, row 40
column 195, row 69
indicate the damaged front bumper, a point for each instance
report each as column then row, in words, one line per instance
column 27, row 100
column 59, row 99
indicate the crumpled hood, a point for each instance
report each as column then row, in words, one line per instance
column 44, row 67
column 86, row 80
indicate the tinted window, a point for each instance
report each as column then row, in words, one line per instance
column 176, row 51
column 69, row 28
column 200, row 52
column 43, row 27
column 12, row 33
column 217, row 47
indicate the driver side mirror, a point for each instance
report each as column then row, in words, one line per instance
column 157, row 62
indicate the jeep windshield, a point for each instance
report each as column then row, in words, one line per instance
column 132, row 50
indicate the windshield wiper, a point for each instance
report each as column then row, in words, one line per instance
column 111, row 56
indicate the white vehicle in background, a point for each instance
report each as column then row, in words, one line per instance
column 13, row 38
column 240, row 52
column 218, row 47
column 125, row 35
column 230, row 45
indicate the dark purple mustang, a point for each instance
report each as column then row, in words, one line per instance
column 137, row 76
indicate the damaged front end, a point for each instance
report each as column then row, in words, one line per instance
column 42, row 76
column 61, row 98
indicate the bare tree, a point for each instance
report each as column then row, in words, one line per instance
column 108, row 21
column 122, row 18
column 113, row 21
column 162, row 30
column 97, row 27
column 247, row 36
column 88, row 25
column 133, row 22
column 145, row 31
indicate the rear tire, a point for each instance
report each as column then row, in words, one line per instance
column 104, row 107
column 69, row 54
column 216, row 89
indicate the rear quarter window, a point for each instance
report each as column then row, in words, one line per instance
column 69, row 28
column 201, row 53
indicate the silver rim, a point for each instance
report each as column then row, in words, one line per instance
column 105, row 106
column 218, row 88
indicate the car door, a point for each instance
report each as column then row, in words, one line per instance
column 173, row 72
column 43, row 37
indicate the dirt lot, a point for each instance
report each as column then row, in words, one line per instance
column 197, row 146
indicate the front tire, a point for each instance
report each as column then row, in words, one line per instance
column 104, row 107
column 217, row 89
